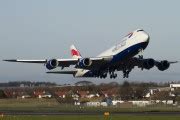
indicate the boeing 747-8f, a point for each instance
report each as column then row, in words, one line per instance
column 120, row 57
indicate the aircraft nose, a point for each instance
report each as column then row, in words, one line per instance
column 145, row 40
column 146, row 37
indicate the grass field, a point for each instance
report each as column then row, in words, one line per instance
column 50, row 105
column 92, row 117
column 45, row 105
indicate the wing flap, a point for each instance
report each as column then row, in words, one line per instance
column 67, row 62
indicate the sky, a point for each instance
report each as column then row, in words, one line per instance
column 45, row 29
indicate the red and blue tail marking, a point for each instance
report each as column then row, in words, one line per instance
column 74, row 52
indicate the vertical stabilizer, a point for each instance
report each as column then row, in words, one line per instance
column 74, row 52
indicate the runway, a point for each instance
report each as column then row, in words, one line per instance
column 90, row 113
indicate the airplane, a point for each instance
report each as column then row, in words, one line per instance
column 120, row 57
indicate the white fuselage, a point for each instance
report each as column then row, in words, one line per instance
column 130, row 46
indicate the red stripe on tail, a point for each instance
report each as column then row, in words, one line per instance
column 75, row 53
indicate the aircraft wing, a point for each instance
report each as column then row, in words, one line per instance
column 145, row 63
column 96, row 61
column 62, row 72
column 61, row 62
column 26, row 61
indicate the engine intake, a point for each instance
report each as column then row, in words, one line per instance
column 51, row 64
column 163, row 65
column 148, row 63
column 86, row 62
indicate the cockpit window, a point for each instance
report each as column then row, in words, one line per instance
column 140, row 30
column 129, row 35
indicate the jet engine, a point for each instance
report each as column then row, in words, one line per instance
column 148, row 63
column 85, row 62
column 163, row 65
column 51, row 64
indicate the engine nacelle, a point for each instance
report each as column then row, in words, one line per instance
column 148, row 63
column 163, row 65
column 85, row 62
column 51, row 64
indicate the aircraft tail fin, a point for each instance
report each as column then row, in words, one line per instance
column 74, row 52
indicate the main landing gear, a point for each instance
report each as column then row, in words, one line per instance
column 126, row 70
column 112, row 75
column 126, row 73
column 104, row 75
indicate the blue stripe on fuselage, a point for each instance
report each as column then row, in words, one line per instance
column 129, row 52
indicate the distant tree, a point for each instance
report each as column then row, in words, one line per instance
column 2, row 94
column 113, row 84
column 30, row 92
column 126, row 91
column 176, row 93
column 84, row 83
column 162, row 95
column 177, row 99
column 67, row 100
column 140, row 92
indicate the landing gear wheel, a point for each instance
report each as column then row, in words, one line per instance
column 126, row 73
column 111, row 76
column 104, row 76
column 115, row 75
